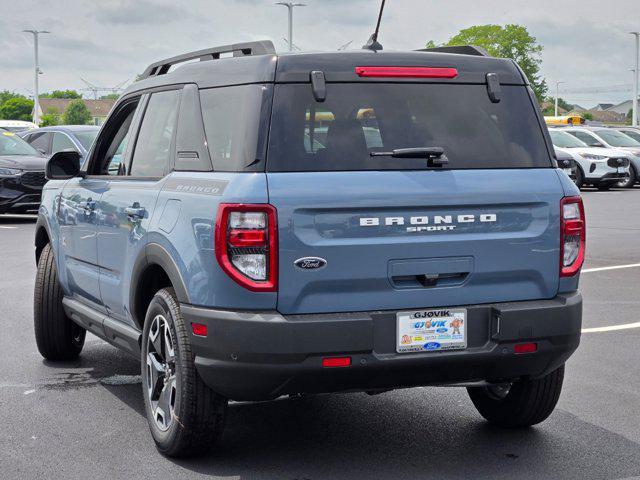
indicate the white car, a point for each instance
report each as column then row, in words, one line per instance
column 633, row 132
column 601, row 167
column 16, row 125
column 608, row 138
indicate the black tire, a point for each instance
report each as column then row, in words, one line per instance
column 527, row 402
column 631, row 181
column 199, row 414
column 604, row 188
column 57, row 336
column 579, row 180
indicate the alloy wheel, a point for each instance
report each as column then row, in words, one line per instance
column 162, row 385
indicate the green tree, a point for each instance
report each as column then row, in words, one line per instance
column 587, row 115
column 76, row 113
column 510, row 41
column 68, row 94
column 630, row 116
column 7, row 95
column 110, row 96
column 50, row 118
column 16, row 109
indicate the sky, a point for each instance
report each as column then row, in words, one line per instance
column 107, row 42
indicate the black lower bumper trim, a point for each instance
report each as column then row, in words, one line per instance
column 262, row 355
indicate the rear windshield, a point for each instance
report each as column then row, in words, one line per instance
column 358, row 119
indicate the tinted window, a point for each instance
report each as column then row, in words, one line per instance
column 40, row 141
column 587, row 138
column 617, row 139
column 635, row 134
column 153, row 146
column 564, row 140
column 231, row 121
column 111, row 147
column 86, row 138
column 358, row 119
column 61, row 142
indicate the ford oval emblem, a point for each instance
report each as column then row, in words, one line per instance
column 431, row 346
column 310, row 263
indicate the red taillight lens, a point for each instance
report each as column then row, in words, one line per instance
column 407, row 72
column 336, row 362
column 246, row 245
column 573, row 234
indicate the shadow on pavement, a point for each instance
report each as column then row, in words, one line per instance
column 17, row 219
column 416, row 433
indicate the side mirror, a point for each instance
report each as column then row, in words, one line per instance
column 63, row 165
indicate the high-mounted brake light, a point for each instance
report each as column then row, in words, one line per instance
column 407, row 72
column 246, row 245
column 572, row 236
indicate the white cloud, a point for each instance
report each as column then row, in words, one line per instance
column 106, row 41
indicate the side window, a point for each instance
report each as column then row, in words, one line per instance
column 232, row 125
column 587, row 138
column 153, row 146
column 108, row 158
column 61, row 142
column 40, row 141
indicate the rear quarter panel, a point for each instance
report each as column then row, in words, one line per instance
column 183, row 224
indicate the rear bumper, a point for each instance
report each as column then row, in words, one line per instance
column 258, row 356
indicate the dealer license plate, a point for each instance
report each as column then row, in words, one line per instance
column 431, row 330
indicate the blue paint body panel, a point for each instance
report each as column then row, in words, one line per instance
column 515, row 257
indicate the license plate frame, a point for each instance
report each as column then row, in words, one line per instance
column 431, row 330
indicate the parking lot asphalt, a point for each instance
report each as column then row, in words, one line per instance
column 85, row 419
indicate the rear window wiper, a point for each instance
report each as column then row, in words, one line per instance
column 435, row 155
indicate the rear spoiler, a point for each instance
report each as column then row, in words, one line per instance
column 460, row 50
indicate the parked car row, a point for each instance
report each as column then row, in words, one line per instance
column 23, row 156
column 605, row 157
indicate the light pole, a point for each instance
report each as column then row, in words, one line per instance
column 557, row 89
column 290, row 7
column 634, row 119
column 36, row 103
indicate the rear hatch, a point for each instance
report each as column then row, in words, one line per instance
column 382, row 232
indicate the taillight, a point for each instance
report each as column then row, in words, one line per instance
column 407, row 72
column 246, row 245
column 572, row 236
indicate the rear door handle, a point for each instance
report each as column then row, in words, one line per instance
column 135, row 212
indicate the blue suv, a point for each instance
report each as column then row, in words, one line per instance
column 259, row 225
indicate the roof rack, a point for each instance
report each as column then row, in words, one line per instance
column 460, row 50
column 262, row 47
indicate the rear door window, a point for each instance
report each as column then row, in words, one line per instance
column 40, row 141
column 62, row 142
column 358, row 119
column 153, row 145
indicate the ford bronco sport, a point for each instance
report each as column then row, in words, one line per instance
column 264, row 225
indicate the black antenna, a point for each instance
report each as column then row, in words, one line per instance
column 373, row 43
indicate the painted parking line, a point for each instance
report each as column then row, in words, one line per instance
column 614, row 267
column 612, row 328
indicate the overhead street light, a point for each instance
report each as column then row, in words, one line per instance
column 290, row 6
column 37, row 71
column 634, row 119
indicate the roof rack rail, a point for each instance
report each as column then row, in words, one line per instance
column 262, row 47
column 460, row 50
